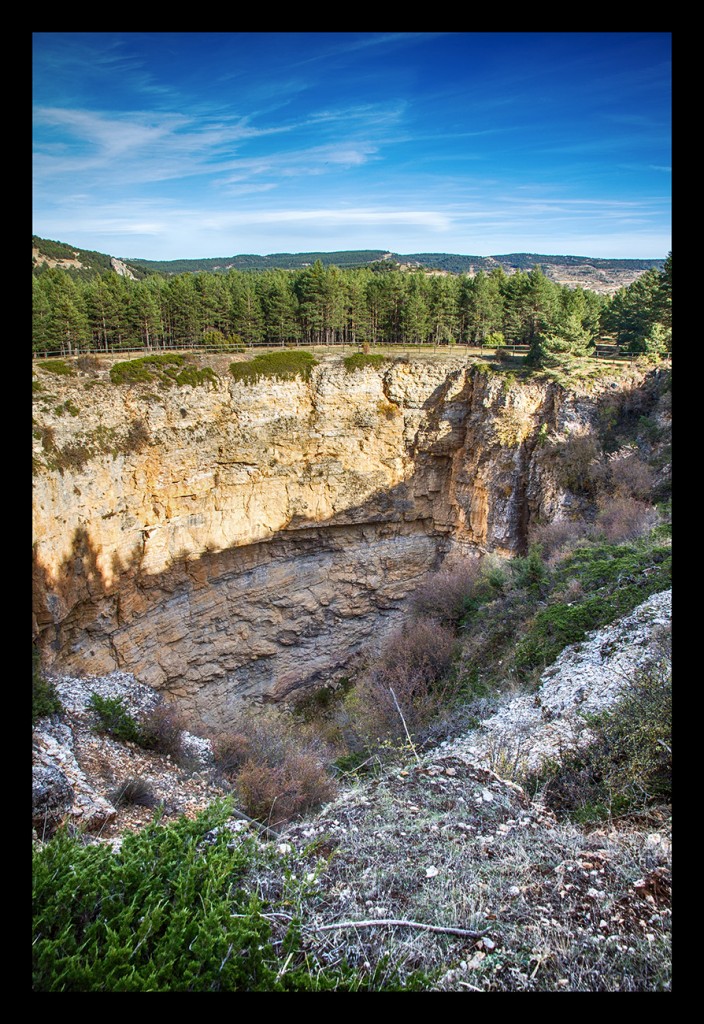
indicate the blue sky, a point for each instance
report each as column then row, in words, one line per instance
column 191, row 145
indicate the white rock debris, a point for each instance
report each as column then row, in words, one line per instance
column 586, row 678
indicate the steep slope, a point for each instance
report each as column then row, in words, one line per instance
column 440, row 863
column 236, row 540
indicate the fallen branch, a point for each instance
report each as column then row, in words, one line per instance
column 390, row 922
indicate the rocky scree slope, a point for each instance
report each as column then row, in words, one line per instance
column 443, row 841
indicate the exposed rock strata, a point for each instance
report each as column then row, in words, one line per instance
column 246, row 539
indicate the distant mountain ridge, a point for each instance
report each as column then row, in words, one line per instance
column 595, row 273
column 453, row 263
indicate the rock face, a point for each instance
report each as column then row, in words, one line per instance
column 121, row 268
column 242, row 540
column 59, row 786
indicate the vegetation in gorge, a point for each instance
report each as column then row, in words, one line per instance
column 45, row 700
column 627, row 767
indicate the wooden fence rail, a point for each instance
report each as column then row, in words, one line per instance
column 600, row 351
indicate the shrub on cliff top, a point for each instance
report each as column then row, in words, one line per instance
column 286, row 365
column 360, row 360
column 58, row 366
column 140, row 371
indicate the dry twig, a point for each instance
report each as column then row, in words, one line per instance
column 393, row 922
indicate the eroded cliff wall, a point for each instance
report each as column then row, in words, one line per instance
column 241, row 540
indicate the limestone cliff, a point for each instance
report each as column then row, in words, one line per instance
column 240, row 540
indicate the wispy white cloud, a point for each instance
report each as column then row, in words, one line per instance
column 310, row 141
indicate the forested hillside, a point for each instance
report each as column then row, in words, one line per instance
column 331, row 305
column 449, row 262
column 82, row 263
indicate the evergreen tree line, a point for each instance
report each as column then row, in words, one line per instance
column 330, row 305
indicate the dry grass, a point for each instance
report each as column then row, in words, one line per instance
column 450, row 844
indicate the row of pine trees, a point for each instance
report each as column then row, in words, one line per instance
column 329, row 305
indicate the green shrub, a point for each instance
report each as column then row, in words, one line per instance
column 360, row 360
column 613, row 578
column 140, row 371
column 482, row 368
column 45, row 699
column 286, row 365
column 179, row 908
column 194, row 377
column 57, row 366
column 114, row 719
column 531, row 572
column 67, row 406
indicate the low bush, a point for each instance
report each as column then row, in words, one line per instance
column 503, row 354
column 279, row 771
column 411, row 673
column 136, row 439
column 89, row 364
column 614, row 579
column 558, row 537
column 195, row 377
column 114, row 719
column 148, row 368
column 57, row 366
column 622, row 518
column 447, row 595
column 177, row 909
column 133, row 793
column 278, row 793
column 160, row 730
column 579, row 464
column 360, row 360
column 286, row 365
column 45, row 699
column 530, row 572
column 631, row 476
